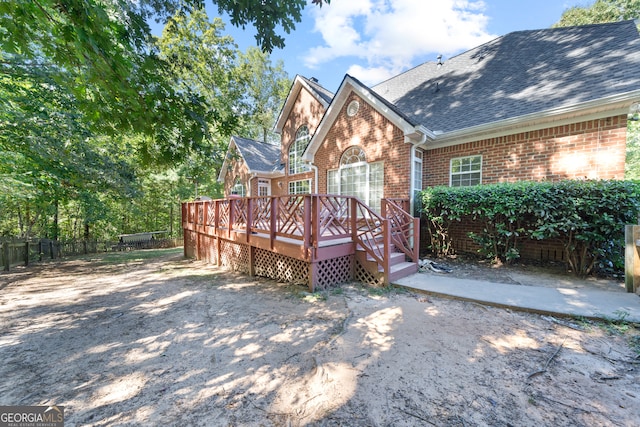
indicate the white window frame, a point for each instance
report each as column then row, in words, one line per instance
column 418, row 156
column 296, row 187
column 334, row 178
column 296, row 150
column 238, row 188
column 264, row 184
column 468, row 161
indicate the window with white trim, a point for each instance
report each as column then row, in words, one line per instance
column 264, row 187
column 296, row 150
column 300, row 187
column 238, row 188
column 357, row 178
column 417, row 171
column 466, row 171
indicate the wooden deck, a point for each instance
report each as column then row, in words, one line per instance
column 319, row 240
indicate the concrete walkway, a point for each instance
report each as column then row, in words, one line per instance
column 580, row 302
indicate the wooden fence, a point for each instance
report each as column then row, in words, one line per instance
column 25, row 252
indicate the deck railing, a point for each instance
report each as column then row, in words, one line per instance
column 310, row 220
column 404, row 227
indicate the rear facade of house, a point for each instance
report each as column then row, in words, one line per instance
column 536, row 105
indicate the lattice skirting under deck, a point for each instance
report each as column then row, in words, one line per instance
column 282, row 268
column 363, row 276
column 234, row 256
column 334, row 271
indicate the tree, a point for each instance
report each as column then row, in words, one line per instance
column 266, row 88
column 632, row 165
column 600, row 12
column 106, row 58
column 98, row 118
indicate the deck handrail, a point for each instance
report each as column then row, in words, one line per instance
column 369, row 229
column 405, row 229
column 311, row 219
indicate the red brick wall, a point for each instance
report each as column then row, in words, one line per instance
column 592, row 149
column 307, row 110
column 380, row 140
column 538, row 250
column 237, row 168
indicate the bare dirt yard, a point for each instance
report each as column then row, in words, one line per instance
column 154, row 339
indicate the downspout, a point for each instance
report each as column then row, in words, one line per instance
column 251, row 178
column 315, row 180
column 414, row 146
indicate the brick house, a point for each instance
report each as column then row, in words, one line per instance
column 545, row 104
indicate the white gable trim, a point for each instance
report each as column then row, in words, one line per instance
column 298, row 83
column 414, row 134
column 227, row 159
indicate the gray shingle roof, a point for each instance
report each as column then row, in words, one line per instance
column 523, row 72
column 259, row 156
column 320, row 91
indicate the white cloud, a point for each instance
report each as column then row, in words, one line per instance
column 385, row 37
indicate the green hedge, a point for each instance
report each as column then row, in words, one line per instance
column 586, row 217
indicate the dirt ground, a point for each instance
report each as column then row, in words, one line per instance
column 161, row 340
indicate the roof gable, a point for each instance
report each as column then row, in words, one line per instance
column 259, row 157
column 521, row 74
column 384, row 107
column 323, row 96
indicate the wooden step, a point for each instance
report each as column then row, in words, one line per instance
column 401, row 270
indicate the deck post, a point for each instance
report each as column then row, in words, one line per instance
column 386, row 233
column 218, row 249
column 313, row 275
column 216, row 218
column 315, row 221
column 249, row 220
column 232, row 214
column 354, row 218
column 205, row 216
column 632, row 258
column 252, row 261
column 416, row 239
column 307, row 222
column 274, row 221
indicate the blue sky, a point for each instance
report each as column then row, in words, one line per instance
column 373, row 40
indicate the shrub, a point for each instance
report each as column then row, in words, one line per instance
column 586, row 217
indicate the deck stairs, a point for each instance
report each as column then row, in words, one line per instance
column 399, row 264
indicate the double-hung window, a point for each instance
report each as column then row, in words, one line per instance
column 300, row 187
column 466, row 171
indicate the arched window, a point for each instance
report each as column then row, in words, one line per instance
column 296, row 149
column 356, row 177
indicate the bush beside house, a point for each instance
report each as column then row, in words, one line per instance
column 584, row 218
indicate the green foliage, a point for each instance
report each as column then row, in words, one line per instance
column 632, row 163
column 103, row 128
column 601, row 11
column 587, row 217
column 266, row 16
column 266, row 87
